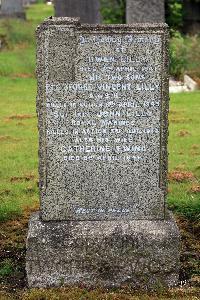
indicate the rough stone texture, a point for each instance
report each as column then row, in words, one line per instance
column 12, row 8
column 142, row 254
column 102, row 107
column 87, row 10
column 141, row 11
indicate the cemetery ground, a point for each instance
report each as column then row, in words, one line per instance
column 19, row 174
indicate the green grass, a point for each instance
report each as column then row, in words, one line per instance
column 6, row 268
column 18, row 132
column 185, row 55
column 19, row 62
column 37, row 13
column 19, row 140
column 184, row 152
column 19, row 57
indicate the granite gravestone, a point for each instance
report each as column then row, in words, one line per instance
column 102, row 106
column 12, row 8
column 87, row 10
column 141, row 11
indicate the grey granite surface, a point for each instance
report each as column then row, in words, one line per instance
column 102, row 106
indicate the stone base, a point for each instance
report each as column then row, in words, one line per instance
column 139, row 253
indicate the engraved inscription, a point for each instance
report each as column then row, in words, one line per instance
column 107, row 123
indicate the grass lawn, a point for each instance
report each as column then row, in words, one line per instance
column 18, row 138
column 184, row 154
column 19, row 163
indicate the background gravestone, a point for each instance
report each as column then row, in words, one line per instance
column 145, row 11
column 191, row 17
column 28, row 2
column 12, row 8
column 87, row 10
column 102, row 107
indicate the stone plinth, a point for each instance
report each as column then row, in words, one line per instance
column 141, row 254
column 142, row 11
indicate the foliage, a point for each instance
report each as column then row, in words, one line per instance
column 184, row 55
column 113, row 11
column 193, row 55
column 6, row 268
column 12, row 29
column 174, row 14
column 178, row 53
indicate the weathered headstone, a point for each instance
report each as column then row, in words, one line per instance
column 145, row 11
column 87, row 10
column 102, row 106
column 12, row 8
